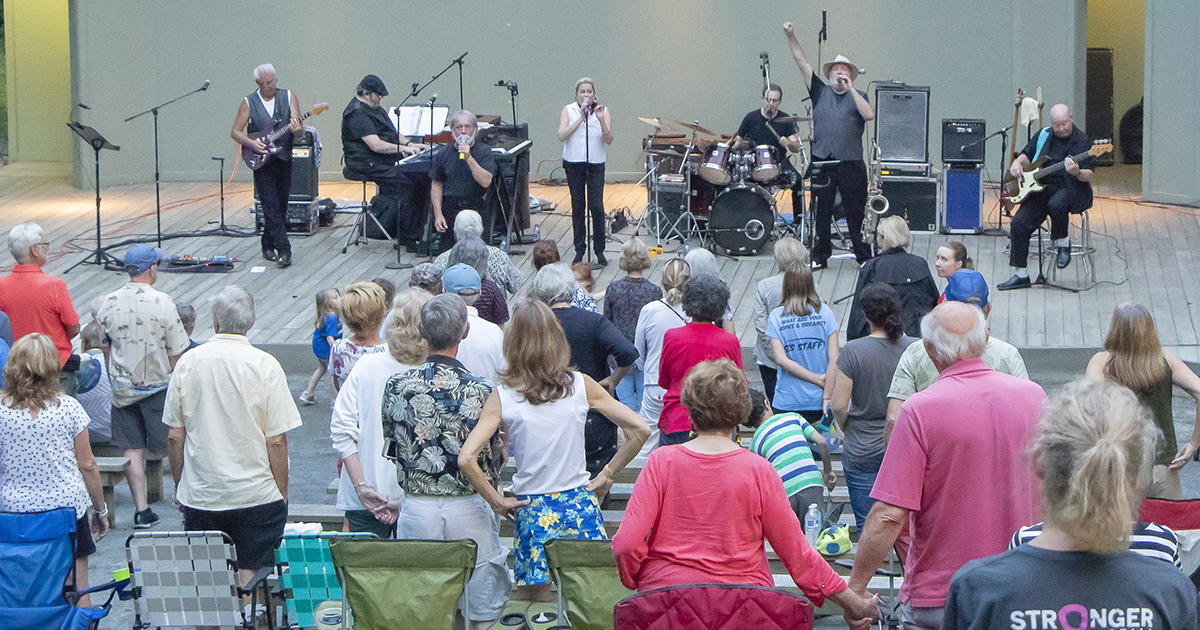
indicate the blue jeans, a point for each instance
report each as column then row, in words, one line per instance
column 629, row 390
column 860, row 478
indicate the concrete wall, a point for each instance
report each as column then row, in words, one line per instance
column 1171, row 141
column 696, row 60
column 39, row 80
column 1121, row 26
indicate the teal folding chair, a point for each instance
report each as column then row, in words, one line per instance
column 307, row 579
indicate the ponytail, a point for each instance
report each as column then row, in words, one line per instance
column 881, row 304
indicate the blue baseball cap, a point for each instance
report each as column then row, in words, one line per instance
column 459, row 279
column 143, row 257
column 965, row 284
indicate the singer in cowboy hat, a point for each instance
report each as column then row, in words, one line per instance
column 840, row 115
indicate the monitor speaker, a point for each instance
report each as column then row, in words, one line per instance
column 902, row 123
column 913, row 198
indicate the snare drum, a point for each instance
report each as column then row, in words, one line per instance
column 766, row 164
column 714, row 166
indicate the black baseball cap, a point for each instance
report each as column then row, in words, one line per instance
column 374, row 84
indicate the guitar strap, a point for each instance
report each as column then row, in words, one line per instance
column 1043, row 136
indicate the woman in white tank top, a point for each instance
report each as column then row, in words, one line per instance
column 585, row 129
column 543, row 405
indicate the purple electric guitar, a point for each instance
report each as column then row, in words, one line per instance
column 270, row 135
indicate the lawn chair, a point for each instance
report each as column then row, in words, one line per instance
column 190, row 579
column 1183, row 517
column 411, row 584
column 588, row 584
column 37, row 574
column 307, row 578
column 704, row 606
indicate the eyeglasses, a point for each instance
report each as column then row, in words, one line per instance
column 43, row 244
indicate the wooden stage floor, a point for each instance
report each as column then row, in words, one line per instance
column 1144, row 252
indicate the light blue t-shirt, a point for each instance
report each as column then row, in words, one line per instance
column 804, row 340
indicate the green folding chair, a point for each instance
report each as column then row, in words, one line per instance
column 588, row 584
column 307, row 578
column 411, row 584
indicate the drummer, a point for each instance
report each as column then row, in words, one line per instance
column 760, row 127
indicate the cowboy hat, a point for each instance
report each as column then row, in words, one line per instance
column 841, row 59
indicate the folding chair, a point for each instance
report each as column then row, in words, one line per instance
column 307, row 578
column 37, row 574
column 704, row 606
column 588, row 584
column 411, row 584
column 1184, row 518
column 190, row 579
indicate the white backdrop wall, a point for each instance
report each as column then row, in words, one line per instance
column 688, row 61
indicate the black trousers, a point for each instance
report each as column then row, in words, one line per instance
column 581, row 176
column 1054, row 203
column 850, row 178
column 274, row 185
column 451, row 206
column 769, row 377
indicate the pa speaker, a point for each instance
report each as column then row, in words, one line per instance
column 957, row 133
column 915, row 199
column 902, row 123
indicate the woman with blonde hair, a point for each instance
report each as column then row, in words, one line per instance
column 623, row 302
column 1133, row 357
column 362, row 311
column 583, row 159
column 907, row 273
column 367, row 488
column 543, row 405
column 1093, row 451
column 788, row 251
column 804, row 342
column 654, row 320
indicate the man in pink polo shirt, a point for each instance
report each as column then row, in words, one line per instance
column 956, row 468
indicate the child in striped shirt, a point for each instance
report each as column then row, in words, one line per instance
column 783, row 439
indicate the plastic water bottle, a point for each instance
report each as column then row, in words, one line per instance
column 812, row 524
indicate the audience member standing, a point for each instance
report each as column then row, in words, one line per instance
column 623, row 302
column 482, row 352
column 768, row 295
column 804, row 340
column 229, row 409
column 145, row 338
column 326, row 330
column 654, row 321
column 491, row 303
column 956, row 468
column 545, row 252
column 36, row 302
column 362, row 309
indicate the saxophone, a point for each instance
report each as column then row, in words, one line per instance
column 877, row 204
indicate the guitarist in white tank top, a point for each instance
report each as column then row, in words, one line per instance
column 274, row 180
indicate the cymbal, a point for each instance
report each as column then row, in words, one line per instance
column 792, row 119
column 695, row 126
column 666, row 152
column 655, row 122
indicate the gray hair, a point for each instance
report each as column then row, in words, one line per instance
column 468, row 224
column 893, row 232
column 554, row 283
column 702, row 261
column 949, row 347
column 472, row 252
column 233, row 310
column 262, row 69
column 187, row 316
column 443, row 321
column 705, row 297
column 790, row 251
column 462, row 113
column 21, row 238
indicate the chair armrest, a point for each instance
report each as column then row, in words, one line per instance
column 258, row 578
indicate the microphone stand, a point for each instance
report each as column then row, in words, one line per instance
column 1003, row 133
column 417, row 90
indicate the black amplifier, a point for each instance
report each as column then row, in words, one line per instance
column 959, row 132
column 304, row 174
column 302, row 217
column 913, row 198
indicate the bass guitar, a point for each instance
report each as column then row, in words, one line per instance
column 270, row 135
column 1016, row 189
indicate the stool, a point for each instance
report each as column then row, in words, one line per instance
column 1081, row 247
column 358, row 231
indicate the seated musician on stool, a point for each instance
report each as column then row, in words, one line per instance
column 462, row 174
column 1066, row 192
column 840, row 114
column 371, row 145
column 759, row 127
column 274, row 180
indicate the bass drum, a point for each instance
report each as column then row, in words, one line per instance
column 741, row 219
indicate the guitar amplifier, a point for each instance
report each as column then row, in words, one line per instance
column 915, row 199
column 959, row 132
column 304, row 174
column 302, row 217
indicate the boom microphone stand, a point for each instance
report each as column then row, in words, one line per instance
column 417, row 90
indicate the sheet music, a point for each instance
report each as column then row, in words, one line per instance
column 413, row 120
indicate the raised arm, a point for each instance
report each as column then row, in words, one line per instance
column 798, row 55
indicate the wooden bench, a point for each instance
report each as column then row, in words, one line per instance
column 154, row 468
column 329, row 516
column 112, row 472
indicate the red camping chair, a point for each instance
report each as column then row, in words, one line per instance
column 712, row 606
column 1183, row 517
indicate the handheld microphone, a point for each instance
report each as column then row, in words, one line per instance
column 462, row 155
column 205, row 86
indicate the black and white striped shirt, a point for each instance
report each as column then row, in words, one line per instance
column 1149, row 539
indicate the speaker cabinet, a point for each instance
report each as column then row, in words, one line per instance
column 913, row 198
column 962, row 212
column 957, row 133
column 304, row 174
column 902, row 123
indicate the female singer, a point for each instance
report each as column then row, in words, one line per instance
column 583, row 160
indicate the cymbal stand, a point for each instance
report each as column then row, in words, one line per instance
column 688, row 152
column 652, row 206
column 691, row 227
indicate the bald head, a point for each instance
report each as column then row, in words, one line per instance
column 1061, row 120
column 953, row 332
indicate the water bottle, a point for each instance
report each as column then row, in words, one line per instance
column 812, row 524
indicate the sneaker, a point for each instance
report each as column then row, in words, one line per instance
column 144, row 519
column 307, row 399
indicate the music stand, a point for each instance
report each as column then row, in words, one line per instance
column 97, row 142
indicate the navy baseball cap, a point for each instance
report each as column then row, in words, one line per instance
column 965, row 284
column 143, row 257
column 459, row 279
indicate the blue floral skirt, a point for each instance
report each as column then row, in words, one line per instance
column 569, row 514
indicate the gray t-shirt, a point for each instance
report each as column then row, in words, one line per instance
column 1030, row 588
column 870, row 362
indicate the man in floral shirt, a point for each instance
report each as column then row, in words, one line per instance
column 427, row 414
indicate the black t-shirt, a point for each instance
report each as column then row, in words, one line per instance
column 358, row 121
column 1055, row 150
column 592, row 339
column 754, row 129
column 455, row 175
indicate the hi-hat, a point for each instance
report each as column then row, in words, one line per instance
column 695, row 126
column 655, row 122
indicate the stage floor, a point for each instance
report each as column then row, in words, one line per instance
column 1144, row 252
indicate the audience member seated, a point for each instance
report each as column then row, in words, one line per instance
column 1133, row 357
column 97, row 401
column 956, row 468
column 702, row 261
column 905, row 272
column 46, row 457
column 545, row 252
column 950, row 258
column 623, row 302
column 491, row 304
column 804, row 340
column 362, row 313
column 864, row 373
column 426, row 276
column 482, row 352
column 700, row 511
column 500, row 268
column 592, row 340
column 367, row 487
column 768, row 294
column 584, row 278
column 543, row 405
column 783, row 439
column 705, row 298
column 427, row 415
column 654, row 321
column 1093, row 451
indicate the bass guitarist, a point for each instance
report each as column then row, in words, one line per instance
column 1066, row 192
column 274, row 180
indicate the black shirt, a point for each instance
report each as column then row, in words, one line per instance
column 754, row 129
column 1056, row 149
column 358, row 121
column 592, row 339
column 455, row 175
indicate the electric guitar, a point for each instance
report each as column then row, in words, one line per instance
column 1016, row 189
column 269, row 136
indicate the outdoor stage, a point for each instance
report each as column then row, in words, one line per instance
column 1144, row 252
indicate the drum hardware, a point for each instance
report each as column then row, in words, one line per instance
column 666, row 152
column 877, row 204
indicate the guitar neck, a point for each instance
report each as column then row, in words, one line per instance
column 278, row 133
column 1054, row 168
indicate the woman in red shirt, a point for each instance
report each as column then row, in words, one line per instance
column 699, row 511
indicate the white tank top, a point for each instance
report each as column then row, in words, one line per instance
column 574, row 149
column 546, row 440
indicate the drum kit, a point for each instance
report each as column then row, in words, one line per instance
column 718, row 195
